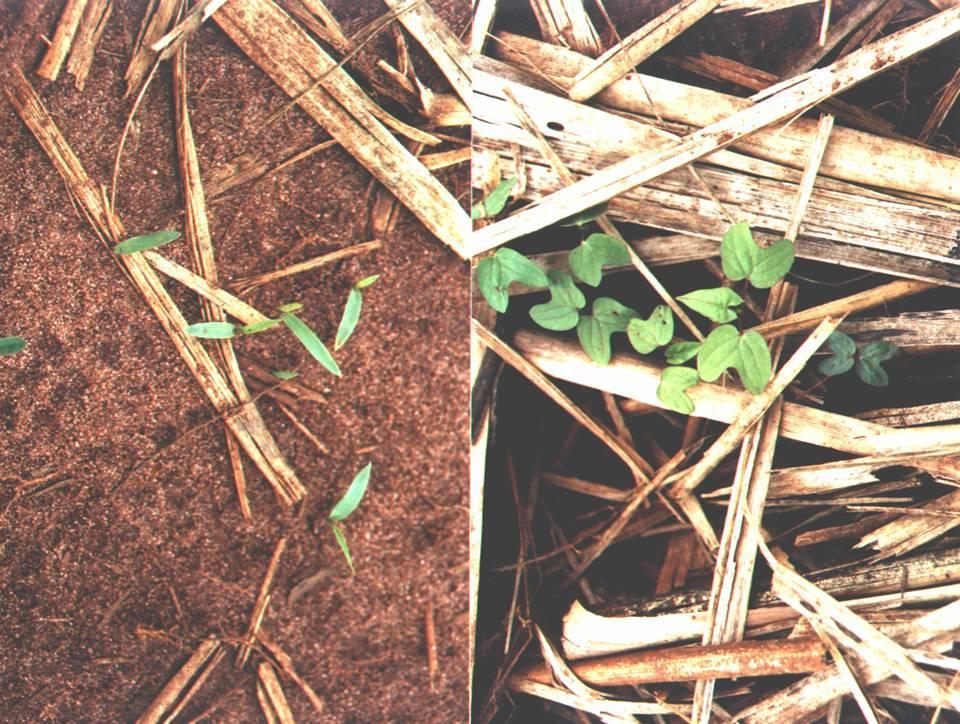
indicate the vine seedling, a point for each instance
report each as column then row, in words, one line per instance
column 345, row 506
column 11, row 345
column 864, row 360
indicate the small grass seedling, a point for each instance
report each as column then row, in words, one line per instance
column 351, row 311
column 147, row 241
column 345, row 507
column 11, row 345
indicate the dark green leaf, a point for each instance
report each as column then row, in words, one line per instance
column 680, row 352
column 872, row 373
column 255, row 327
column 878, row 351
column 496, row 201
column 738, row 252
column 674, row 382
column 212, row 330
column 342, row 542
column 647, row 334
column 835, row 365
column 147, row 241
column 517, row 268
column 11, row 345
column 841, row 344
column 755, row 365
column 719, row 352
column 612, row 314
column 290, row 307
column 714, row 304
column 555, row 316
column 285, row 374
column 309, row 339
column 594, row 338
column 772, row 264
column 367, row 281
column 351, row 499
column 351, row 315
column 491, row 283
column 585, row 216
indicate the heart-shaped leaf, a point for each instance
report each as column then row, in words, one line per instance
column 738, row 252
column 714, row 304
column 560, row 313
column 841, row 344
column 872, row 373
column 772, row 264
column 835, row 365
column 755, row 365
column 878, row 351
column 585, row 216
column 517, row 268
column 492, row 285
column 11, row 345
column 495, row 275
column 720, row 351
column 674, row 381
column 496, row 201
column 612, row 314
column 594, row 337
column 595, row 252
column 647, row 335
column 680, row 352
column 212, row 330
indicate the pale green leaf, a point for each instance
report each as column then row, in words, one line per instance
column 255, row 327
column 872, row 373
column 841, row 344
column 517, row 268
column 351, row 499
column 212, row 330
column 754, row 366
column 612, row 314
column 835, row 365
column 11, row 345
column 586, row 216
column 285, row 374
column 555, row 316
column 351, row 315
column 147, row 241
column 367, row 281
column 290, row 307
column 738, row 252
column 646, row 335
column 492, row 286
column 674, row 382
column 714, row 304
column 719, row 352
column 595, row 252
column 342, row 542
column 594, row 337
column 772, row 264
column 496, row 201
column 680, row 352
column 878, row 351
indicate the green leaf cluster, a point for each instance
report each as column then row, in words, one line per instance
column 743, row 258
column 865, row 360
column 495, row 202
column 496, row 273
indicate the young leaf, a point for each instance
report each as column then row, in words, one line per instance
column 496, row 201
column 351, row 499
column 563, row 289
column 647, row 334
column 147, row 241
column 342, row 542
column 595, row 252
column 285, row 374
column 841, row 344
column 738, row 252
column 351, row 315
column 11, row 345
column 680, row 352
column 290, row 307
column 720, row 351
column 772, row 264
column 585, row 216
column 496, row 273
column 755, row 365
column 560, row 313
column 594, row 337
column 517, row 268
column 367, row 281
column 255, row 327
column 872, row 373
column 714, row 304
column 835, row 365
column 492, row 285
column 878, row 351
column 212, row 330
column 309, row 339
column 674, row 382
column 612, row 314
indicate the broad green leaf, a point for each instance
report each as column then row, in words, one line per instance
column 612, row 314
column 878, row 351
column 755, row 365
column 255, row 327
column 872, row 373
column 342, row 542
column 564, row 290
column 585, row 216
column 285, row 374
column 351, row 499
column 555, row 316
column 594, row 337
column 309, row 339
column 841, row 344
column 290, row 307
column 11, row 345
column 595, row 252
column 738, row 252
column 680, row 352
column 674, row 382
column 714, row 304
column 147, row 241
column 719, row 352
column 647, row 334
column 491, row 283
column 351, row 315
column 835, row 365
column 212, row 330
column 772, row 264
column 367, row 281
column 517, row 268
column 496, row 201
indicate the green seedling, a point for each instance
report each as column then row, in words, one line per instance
column 345, row 506
column 285, row 374
column 495, row 202
column 594, row 253
column 864, row 360
column 743, row 258
column 212, row 330
column 496, row 273
column 11, row 345
column 351, row 312
column 562, row 312
column 309, row 339
column 147, row 241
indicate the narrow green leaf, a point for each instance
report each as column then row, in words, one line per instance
column 212, row 330
column 841, row 344
column 835, row 365
column 714, row 304
column 351, row 315
column 285, row 374
column 290, row 307
column 594, row 338
column 674, row 382
column 496, row 201
column 256, row 327
column 351, row 499
column 719, row 352
column 680, row 352
column 367, row 281
column 490, row 281
column 612, row 314
column 555, row 316
column 11, row 345
column 585, row 216
column 342, row 542
column 755, row 366
column 738, row 252
column 647, row 334
column 772, row 264
column 878, row 351
column 872, row 373
column 309, row 339
column 147, row 241
column 517, row 268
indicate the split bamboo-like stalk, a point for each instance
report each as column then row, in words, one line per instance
column 157, row 20
column 244, row 420
column 939, row 113
column 295, row 62
column 256, row 164
column 247, row 284
column 483, row 14
column 814, row 53
column 173, row 40
column 916, row 527
column 637, row 47
column 92, row 25
column 167, row 699
column 566, row 23
column 56, row 54
column 286, row 665
column 918, row 415
column 273, row 698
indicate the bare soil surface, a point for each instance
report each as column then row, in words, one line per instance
column 105, row 590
